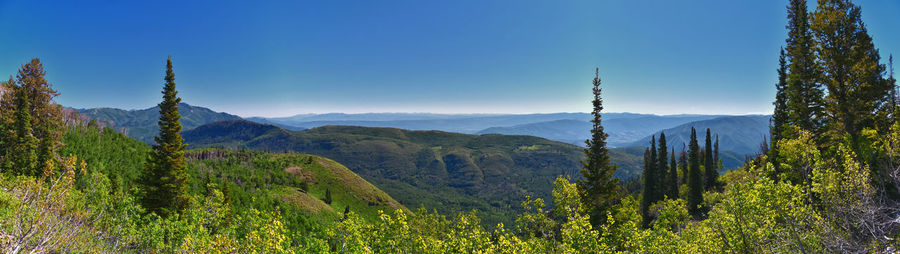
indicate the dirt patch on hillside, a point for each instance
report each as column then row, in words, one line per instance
column 307, row 176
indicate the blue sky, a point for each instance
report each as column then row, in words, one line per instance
column 281, row 58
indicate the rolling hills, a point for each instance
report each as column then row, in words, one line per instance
column 450, row 172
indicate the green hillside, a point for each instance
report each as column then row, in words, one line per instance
column 450, row 172
column 251, row 178
column 141, row 124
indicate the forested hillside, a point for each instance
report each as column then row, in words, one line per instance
column 449, row 172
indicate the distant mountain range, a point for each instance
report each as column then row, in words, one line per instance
column 623, row 131
column 142, row 124
column 740, row 134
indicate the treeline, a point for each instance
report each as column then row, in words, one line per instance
column 697, row 169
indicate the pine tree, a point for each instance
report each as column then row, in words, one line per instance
column 598, row 189
column 852, row 74
column 648, row 187
column 23, row 159
column 803, row 93
column 712, row 173
column 695, row 184
column 166, row 176
column 716, row 159
column 780, row 115
column 673, row 177
column 662, row 168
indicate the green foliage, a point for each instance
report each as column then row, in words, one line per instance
column 851, row 71
column 165, row 178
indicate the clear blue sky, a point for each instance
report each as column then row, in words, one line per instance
column 469, row 56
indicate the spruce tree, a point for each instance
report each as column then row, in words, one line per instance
column 165, row 183
column 648, row 187
column 695, row 184
column 672, row 179
column 23, row 159
column 662, row 168
column 716, row 159
column 780, row 115
column 598, row 188
column 852, row 74
column 712, row 173
column 804, row 94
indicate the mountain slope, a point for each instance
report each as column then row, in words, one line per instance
column 295, row 182
column 141, row 124
column 622, row 130
column 461, row 123
column 739, row 134
column 450, row 172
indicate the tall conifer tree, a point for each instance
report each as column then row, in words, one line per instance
column 166, row 177
column 672, row 179
column 598, row 189
column 780, row 115
column 695, row 179
column 852, row 74
column 712, row 173
column 662, row 168
column 803, row 93
column 23, row 159
column 647, row 189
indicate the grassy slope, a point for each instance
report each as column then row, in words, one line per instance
column 449, row 172
column 254, row 179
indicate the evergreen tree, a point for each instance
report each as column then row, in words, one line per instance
column 716, row 159
column 597, row 188
column 780, row 115
column 895, row 113
column 695, row 184
column 23, row 158
column 662, row 168
column 32, row 93
column 166, row 176
column 683, row 164
column 803, row 93
column 648, row 192
column 327, row 196
column 852, row 74
column 712, row 173
column 673, row 177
